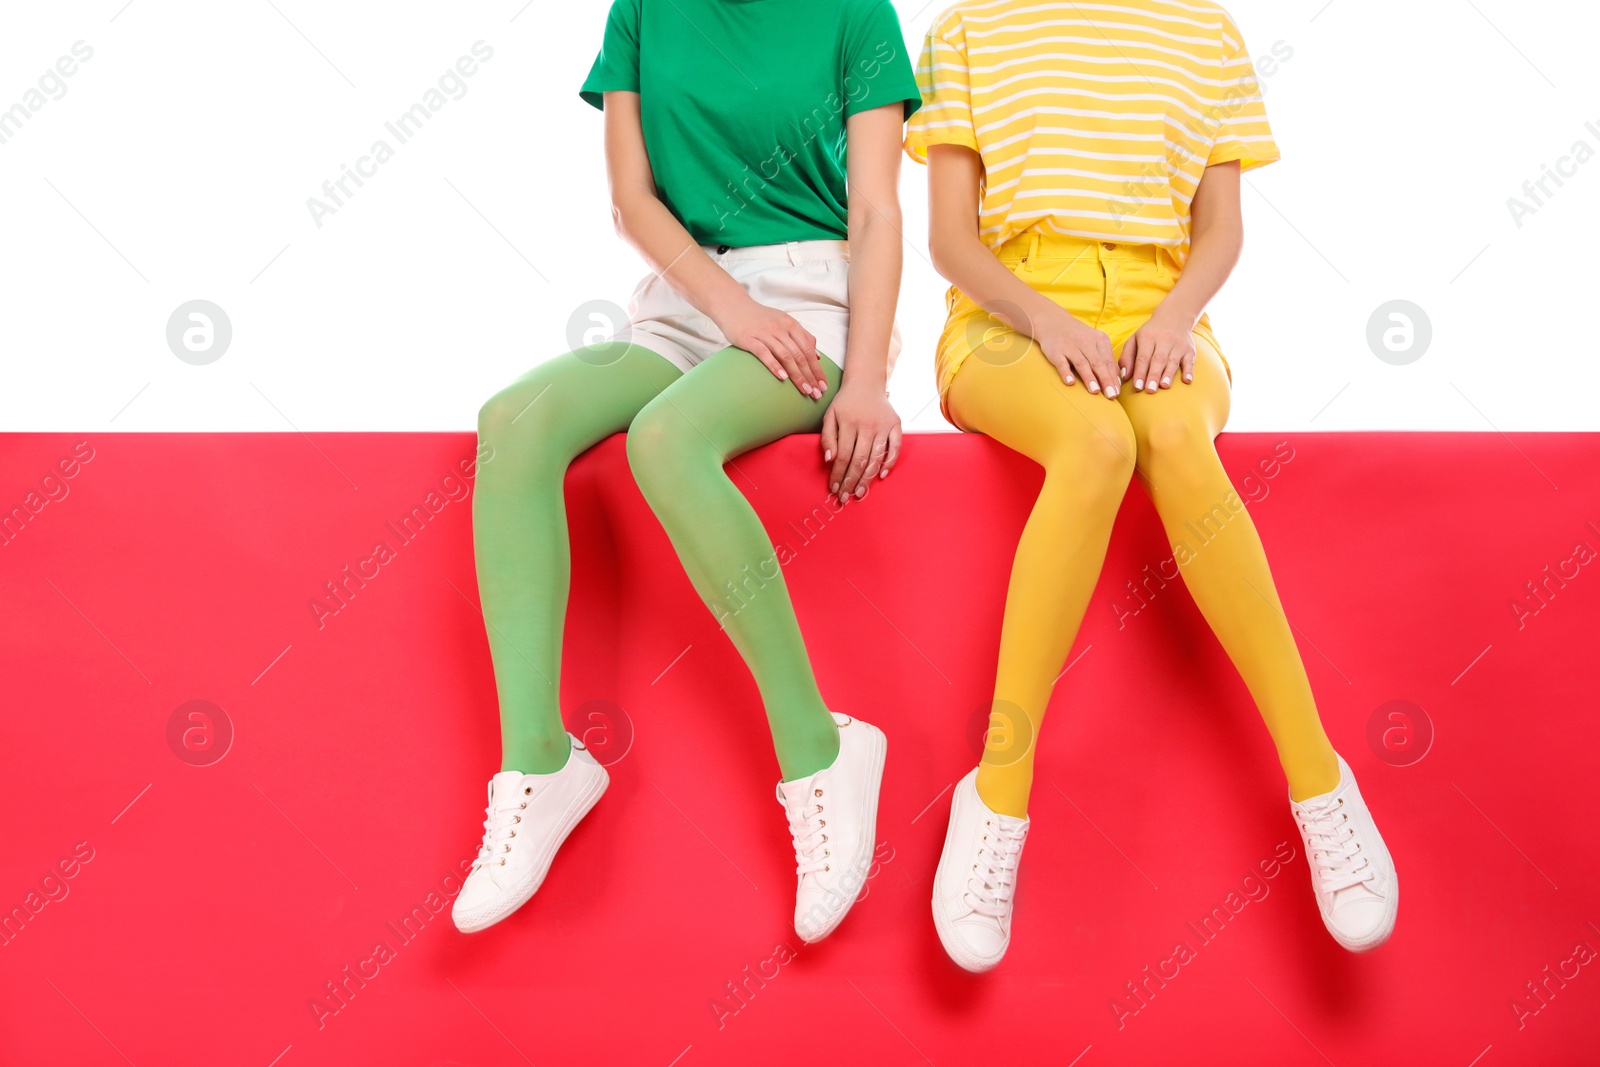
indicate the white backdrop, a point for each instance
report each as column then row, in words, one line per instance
column 175, row 161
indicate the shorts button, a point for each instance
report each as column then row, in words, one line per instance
column 721, row 249
column 1110, row 247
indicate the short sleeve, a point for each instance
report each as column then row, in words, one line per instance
column 616, row 68
column 877, row 67
column 946, row 113
column 1243, row 133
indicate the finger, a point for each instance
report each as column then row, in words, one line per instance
column 1141, row 366
column 1105, row 366
column 1161, row 376
column 894, row 451
column 841, row 460
column 862, row 457
column 830, row 434
column 805, row 350
column 1129, row 351
column 1176, row 363
column 1076, row 365
column 1159, row 355
column 768, row 360
column 785, row 352
column 1106, row 371
column 1062, row 365
column 808, row 348
column 1169, row 367
column 1188, row 364
column 875, row 457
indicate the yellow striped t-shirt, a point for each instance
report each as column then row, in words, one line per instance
column 1092, row 119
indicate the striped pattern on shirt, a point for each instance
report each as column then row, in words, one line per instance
column 1092, row 119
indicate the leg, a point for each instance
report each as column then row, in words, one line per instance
column 677, row 446
column 536, row 427
column 1086, row 448
column 1220, row 555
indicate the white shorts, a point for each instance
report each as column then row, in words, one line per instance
column 808, row 280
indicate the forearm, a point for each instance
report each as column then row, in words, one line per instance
column 875, row 267
column 1214, row 252
column 969, row 265
column 660, row 239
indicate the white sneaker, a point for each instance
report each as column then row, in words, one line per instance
column 976, row 883
column 1352, row 874
column 833, row 818
column 529, row 816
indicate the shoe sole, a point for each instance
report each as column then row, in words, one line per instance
column 948, row 937
column 582, row 805
column 878, row 756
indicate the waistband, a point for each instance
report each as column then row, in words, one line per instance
column 784, row 252
column 1053, row 246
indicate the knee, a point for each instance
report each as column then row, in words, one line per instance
column 661, row 441
column 1172, row 444
column 523, row 426
column 1098, row 462
column 513, row 413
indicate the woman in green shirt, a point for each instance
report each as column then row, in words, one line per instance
column 727, row 125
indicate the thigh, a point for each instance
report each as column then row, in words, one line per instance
column 581, row 396
column 1021, row 401
column 1202, row 403
column 735, row 403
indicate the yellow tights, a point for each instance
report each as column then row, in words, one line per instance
column 1089, row 448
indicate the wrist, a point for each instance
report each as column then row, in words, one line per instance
column 725, row 301
column 1055, row 315
column 871, row 378
column 1178, row 312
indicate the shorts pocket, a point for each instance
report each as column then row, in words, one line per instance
column 637, row 303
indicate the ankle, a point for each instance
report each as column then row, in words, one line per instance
column 537, row 755
column 1312, row 777
column 802, row 755
column 1004, row 790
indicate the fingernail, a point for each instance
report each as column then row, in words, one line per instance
column 834, row 488
column 1112, row 391
column 861, row 491
column 1069, row 379
column 1138, row 383
column 884, row 474
column 1094, row 387
column 1167, row 380
column 1188, row 377
column 1124, row 373
column 827, row 455
column 783, row 375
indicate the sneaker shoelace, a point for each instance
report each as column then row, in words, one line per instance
column 499, row 827
column 1335, row 851
column 808, row 825
column 993, row 878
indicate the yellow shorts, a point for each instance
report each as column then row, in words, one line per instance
column 1112, row 287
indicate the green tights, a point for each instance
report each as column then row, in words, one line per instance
column 681, row 429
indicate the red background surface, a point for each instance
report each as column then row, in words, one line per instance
column 220, row 899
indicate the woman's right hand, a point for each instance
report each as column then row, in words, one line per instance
column 1078, row 351
column 785, row 347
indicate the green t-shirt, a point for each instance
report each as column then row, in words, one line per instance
column 743, row 105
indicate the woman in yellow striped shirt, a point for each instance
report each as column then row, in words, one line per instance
column 1083, row 167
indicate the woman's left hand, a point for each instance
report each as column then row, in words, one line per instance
column 1161, row 349
column 861, row 438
